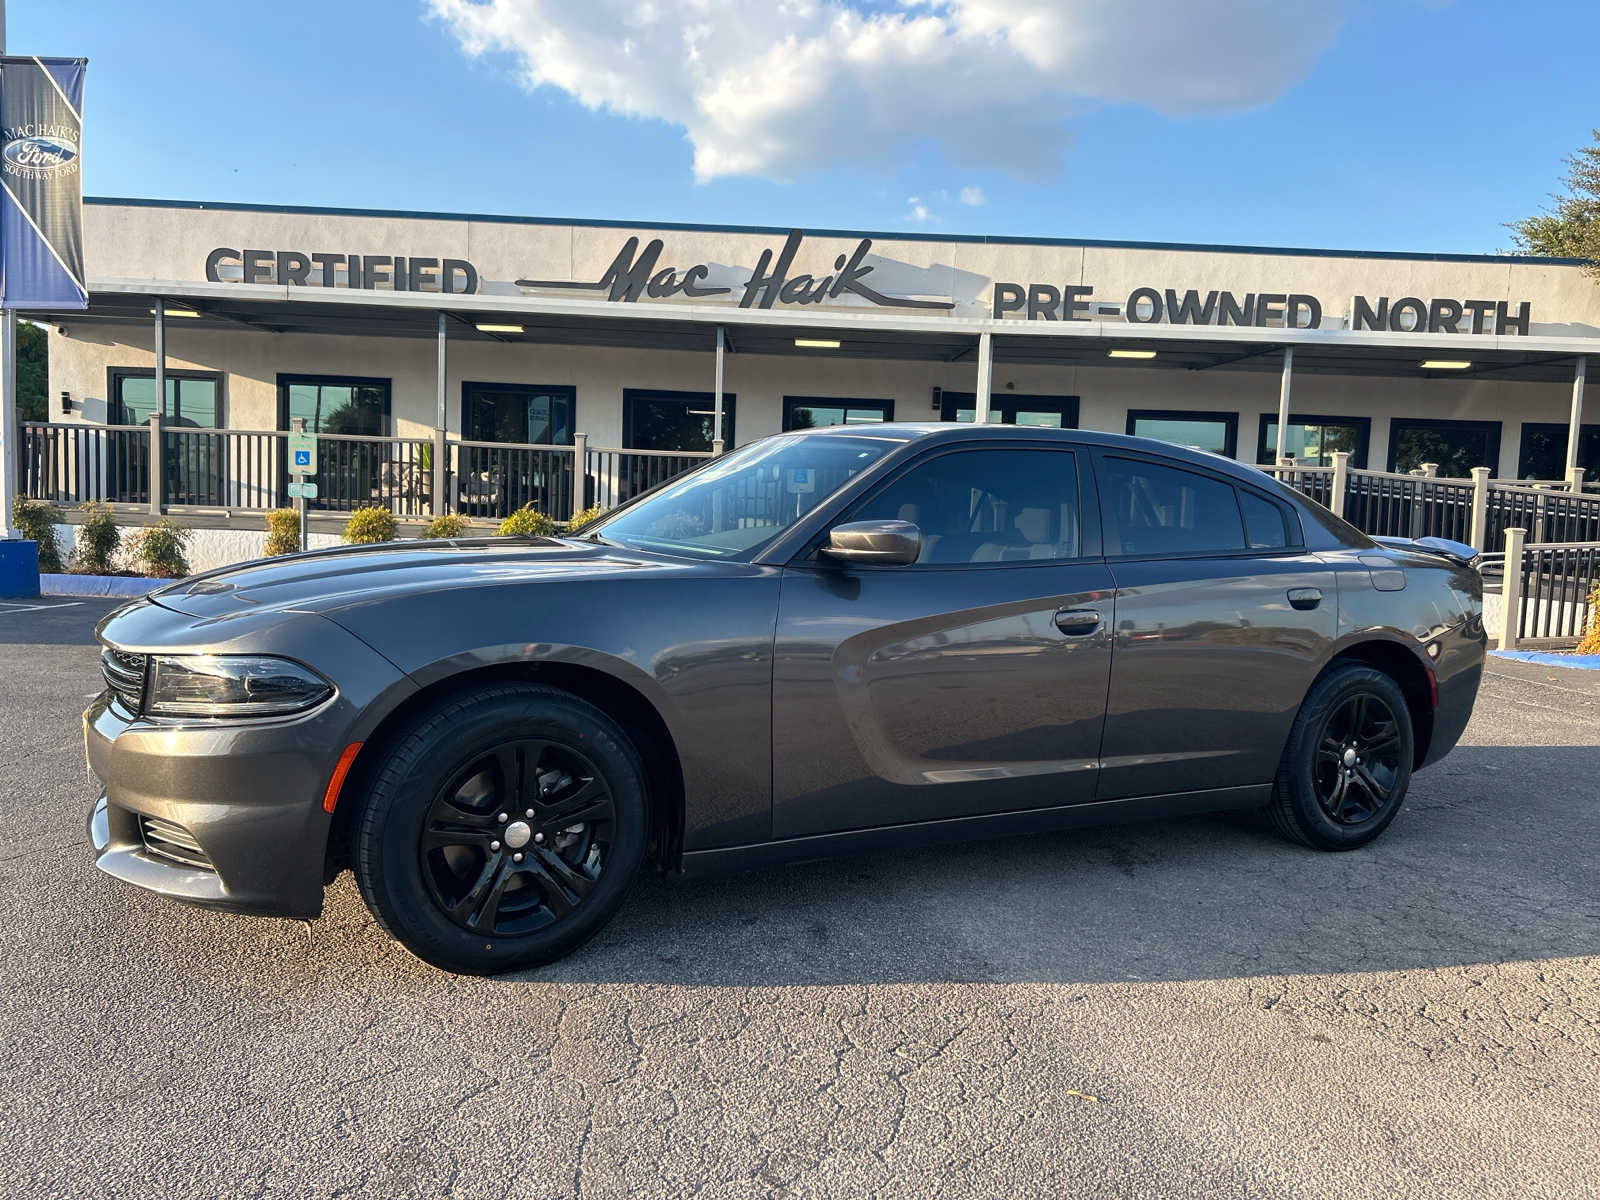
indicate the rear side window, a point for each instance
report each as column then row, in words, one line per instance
column 1263, row 522
column 1150, row 509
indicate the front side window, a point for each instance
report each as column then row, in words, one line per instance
column 334, row 404
column 985, row 506
column 1456, row 446
column 736, row 504
column 1152, row 510
column 1214, row 432
column 817, row 412
column 1313, row 441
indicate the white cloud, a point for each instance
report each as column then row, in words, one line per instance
column 917, row 211
column 973, row 196
column 773, row 87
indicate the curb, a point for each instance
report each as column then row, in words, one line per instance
column 1577, row 662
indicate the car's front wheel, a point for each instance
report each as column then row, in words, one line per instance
column 1347, row 766
column 502, row 830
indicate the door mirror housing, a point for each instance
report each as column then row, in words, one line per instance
column 884, row 543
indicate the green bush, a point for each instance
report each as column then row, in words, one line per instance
column 283, row 532
column 579, row 519
column 161, row 549
column 367, row 525
column 36, row 521
column 1591, row 638
column 447, row 525
column 98, row 539
column 527, row 521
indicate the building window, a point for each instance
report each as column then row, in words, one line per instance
column 656, row 420
column 194, row 398
column 1009, row 408
column 1312, row 441
column 1217, row 432
column 1457, row 446
column 1544, row 451
column 334, row 404
column 513, row 412
column 815, row 412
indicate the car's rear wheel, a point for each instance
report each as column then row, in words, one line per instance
column 1347, row 766
column 502, row 830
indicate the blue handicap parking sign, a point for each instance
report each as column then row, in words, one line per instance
column 302, row 458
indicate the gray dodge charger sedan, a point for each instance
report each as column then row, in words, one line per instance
column 823, row 642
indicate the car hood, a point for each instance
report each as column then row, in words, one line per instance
column 326, row 581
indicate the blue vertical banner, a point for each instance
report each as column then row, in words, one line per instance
column 41, row 173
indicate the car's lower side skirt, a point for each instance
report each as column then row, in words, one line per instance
column 989, row 825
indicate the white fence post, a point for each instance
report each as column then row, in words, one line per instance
column 1341, row 481
column 158, row 462
column 1575, row 480
column 1431, row 470
column 1480, row 507
column 1511, row 589
column 580, row 471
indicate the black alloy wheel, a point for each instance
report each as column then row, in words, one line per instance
column 1358, row 759
column 518, row 837
column 501, row 828
column 1347, row 764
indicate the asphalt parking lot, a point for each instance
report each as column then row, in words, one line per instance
column 1186, row 1008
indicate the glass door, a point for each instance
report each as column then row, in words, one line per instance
column 1013, row 408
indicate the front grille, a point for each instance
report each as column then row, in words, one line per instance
column 124, row 674
column 171, row 840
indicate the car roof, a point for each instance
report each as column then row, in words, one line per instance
column 926, row 432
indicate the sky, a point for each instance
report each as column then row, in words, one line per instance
column 1417, row 125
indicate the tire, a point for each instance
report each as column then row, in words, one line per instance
column 1347, row 766
column 447, row 858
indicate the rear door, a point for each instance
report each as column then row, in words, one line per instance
column 1222, row 621
column 972, row 681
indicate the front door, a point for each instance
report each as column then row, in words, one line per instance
column 973, row 681
column 1009, row 408
column 1222, row 621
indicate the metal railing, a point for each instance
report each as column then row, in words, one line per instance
column 494, row 479
column 1545, row 589
column 613, row 476
column 1388, row 505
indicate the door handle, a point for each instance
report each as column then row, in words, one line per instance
column 1305, row 599
column 1075, row 622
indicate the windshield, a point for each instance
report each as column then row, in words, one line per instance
column 735, row 505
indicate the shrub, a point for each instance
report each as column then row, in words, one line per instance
column 368, row 525
column 527, row 521
column 446, row 525
column 579, row 519
column 36, row 521
column 283, row 532
column 1591, row 637
column 98, row 539
column 161, row 549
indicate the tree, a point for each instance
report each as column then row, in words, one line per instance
column 33, row 372
column 1571, row 228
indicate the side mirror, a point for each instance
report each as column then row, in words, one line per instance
column 887, row 543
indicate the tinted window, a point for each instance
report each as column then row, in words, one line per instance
column 978, row 506
column 807, row 412
column 1150, row 509
column 1263, row 522
column 1211, row 431
column 1456, row 446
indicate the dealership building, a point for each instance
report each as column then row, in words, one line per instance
column 439, row 330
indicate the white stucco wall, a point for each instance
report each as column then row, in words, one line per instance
column 208, row 548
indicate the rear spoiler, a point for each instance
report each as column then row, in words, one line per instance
column 1457, row 552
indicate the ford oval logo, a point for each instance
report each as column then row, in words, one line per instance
column 40, row 154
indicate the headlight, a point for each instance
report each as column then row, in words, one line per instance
column 231, row 685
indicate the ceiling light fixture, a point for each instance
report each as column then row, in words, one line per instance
column 176, row 312
column 489, row 327
column 1131, row 354
column 1445, row 364
column 816, row 344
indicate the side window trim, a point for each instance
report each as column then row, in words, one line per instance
column 1294, row 546
column 1089, row 532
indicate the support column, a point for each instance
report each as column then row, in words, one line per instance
column 437, row 506
column 158, row 457
column 1480, row 508
column 1511, row 589
column 9, row 429
column 1283, row 405
column 1341, row 482
column 716, row 398
column 1575, row 425
column 980, row 414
